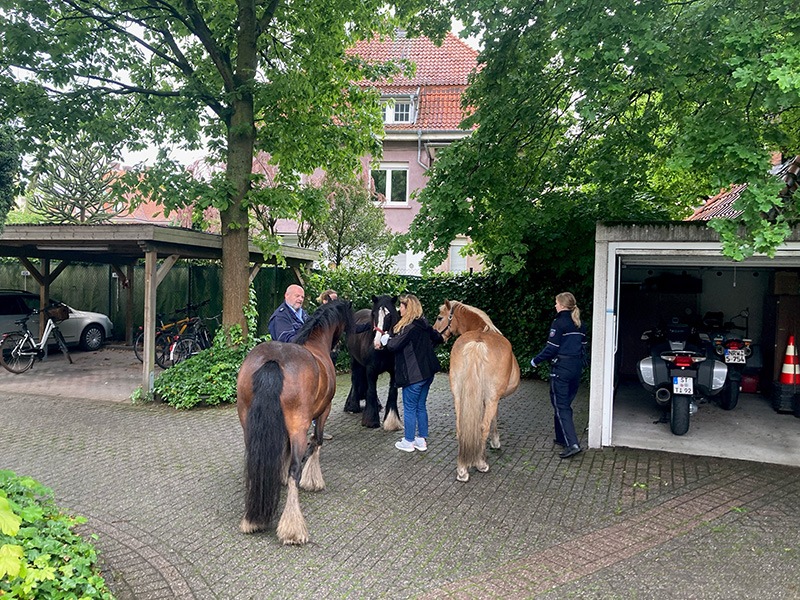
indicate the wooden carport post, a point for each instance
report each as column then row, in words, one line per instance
column 150, row 285
column 153, row 276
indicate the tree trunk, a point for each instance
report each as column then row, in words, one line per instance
column 235, row 238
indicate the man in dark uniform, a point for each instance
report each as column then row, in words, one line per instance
column 289, row 317
column 565, row 351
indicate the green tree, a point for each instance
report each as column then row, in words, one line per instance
column 618, row 111
column 351, row 227
column 73, row 185
column 246, row 75
column 9, row 172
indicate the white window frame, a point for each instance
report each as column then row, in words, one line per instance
column 391, row 113
column 390, row 169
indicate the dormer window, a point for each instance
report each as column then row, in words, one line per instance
column 398, row 111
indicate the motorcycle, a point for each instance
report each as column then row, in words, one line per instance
column 679, row 371
column 734, row 350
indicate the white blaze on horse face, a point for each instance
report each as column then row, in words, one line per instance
column 383, row 312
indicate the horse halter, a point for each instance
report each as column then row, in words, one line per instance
column 449, row 321
column 383, row 312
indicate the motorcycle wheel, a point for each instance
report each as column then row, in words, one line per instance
column 730, row 396
column 679, row 414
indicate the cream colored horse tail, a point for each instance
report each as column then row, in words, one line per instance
column 469, row 397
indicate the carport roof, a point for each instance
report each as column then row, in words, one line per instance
column 125, row 244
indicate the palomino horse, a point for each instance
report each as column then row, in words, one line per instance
column 483, row 369
column 368, row 361
column 281, row 387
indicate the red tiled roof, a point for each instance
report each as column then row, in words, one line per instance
column 440, row 78
column 721, row 205
column 439, row 108
column 448, row 64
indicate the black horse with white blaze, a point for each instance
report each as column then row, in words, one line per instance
column 368, row 361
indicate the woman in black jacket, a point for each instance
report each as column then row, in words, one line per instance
column 565, row 349
column 412, row 341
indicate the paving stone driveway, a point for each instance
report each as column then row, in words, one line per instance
column 163, row 490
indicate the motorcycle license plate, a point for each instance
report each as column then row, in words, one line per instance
column 683, row 386
column 735, row 356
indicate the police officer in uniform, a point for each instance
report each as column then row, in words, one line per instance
column 565, row 349
column 289, row 317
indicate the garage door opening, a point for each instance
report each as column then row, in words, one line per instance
column 648, row 277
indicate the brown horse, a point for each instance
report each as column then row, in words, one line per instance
column 483, row 369
column 281, row 387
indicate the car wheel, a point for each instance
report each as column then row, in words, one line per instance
column 92, row 337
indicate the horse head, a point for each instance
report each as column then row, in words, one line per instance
column 330, row 320
column 384, row 317
column 444, row 320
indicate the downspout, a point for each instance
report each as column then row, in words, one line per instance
column 419, row 135
column 419, row 150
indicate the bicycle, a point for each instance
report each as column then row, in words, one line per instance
column 194, row 342
column 167, row 334
column 19, row 349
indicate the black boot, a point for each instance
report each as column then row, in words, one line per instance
column 571, row 451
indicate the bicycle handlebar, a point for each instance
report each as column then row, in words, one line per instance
column 192, row 307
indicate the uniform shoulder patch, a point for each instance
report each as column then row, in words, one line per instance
column 552, row 333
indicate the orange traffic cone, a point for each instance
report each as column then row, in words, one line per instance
column 790, row 372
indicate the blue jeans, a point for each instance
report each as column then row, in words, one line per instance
column 415, row 411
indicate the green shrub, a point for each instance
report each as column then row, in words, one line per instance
column 40, row 556
column 207, row 378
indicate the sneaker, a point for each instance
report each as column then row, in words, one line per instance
column 420, row 444
column 404, row 445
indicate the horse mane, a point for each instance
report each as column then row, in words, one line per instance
column 326, row 316
column 488, row 325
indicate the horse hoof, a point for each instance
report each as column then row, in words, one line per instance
column 370, row 425
column 462, row 475
column 494, row 445
column 482, row 467
column 247, row 527
column 352, row 410
column 300, row 542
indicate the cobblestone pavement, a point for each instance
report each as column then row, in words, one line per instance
column 163, row 491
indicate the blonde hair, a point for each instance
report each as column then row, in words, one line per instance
column 567, row 300
column 413, row 311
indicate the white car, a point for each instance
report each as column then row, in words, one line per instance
column 89, row 330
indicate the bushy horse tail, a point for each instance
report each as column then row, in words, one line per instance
column 471, row 388
column 265, row 445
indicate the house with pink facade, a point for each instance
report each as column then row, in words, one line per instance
column 421, row 116
column 421, row 113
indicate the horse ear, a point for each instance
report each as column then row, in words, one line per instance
column 394, row 299
column 447, row 304
column 374, row 298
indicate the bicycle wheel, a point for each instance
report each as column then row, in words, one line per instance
column 162, row 349
column 183, row 349
column 138, row 347
column 62, row 344
column 17, row 352
column 163, row 346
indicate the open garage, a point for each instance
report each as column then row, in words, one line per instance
column 649, row 275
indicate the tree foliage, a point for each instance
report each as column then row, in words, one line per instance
column 247, row 76
column 73, row 185
column 614, row 111
column 353, row 225
column 9, row 172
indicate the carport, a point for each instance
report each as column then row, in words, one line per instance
column 122, row 246
column 628, row 259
